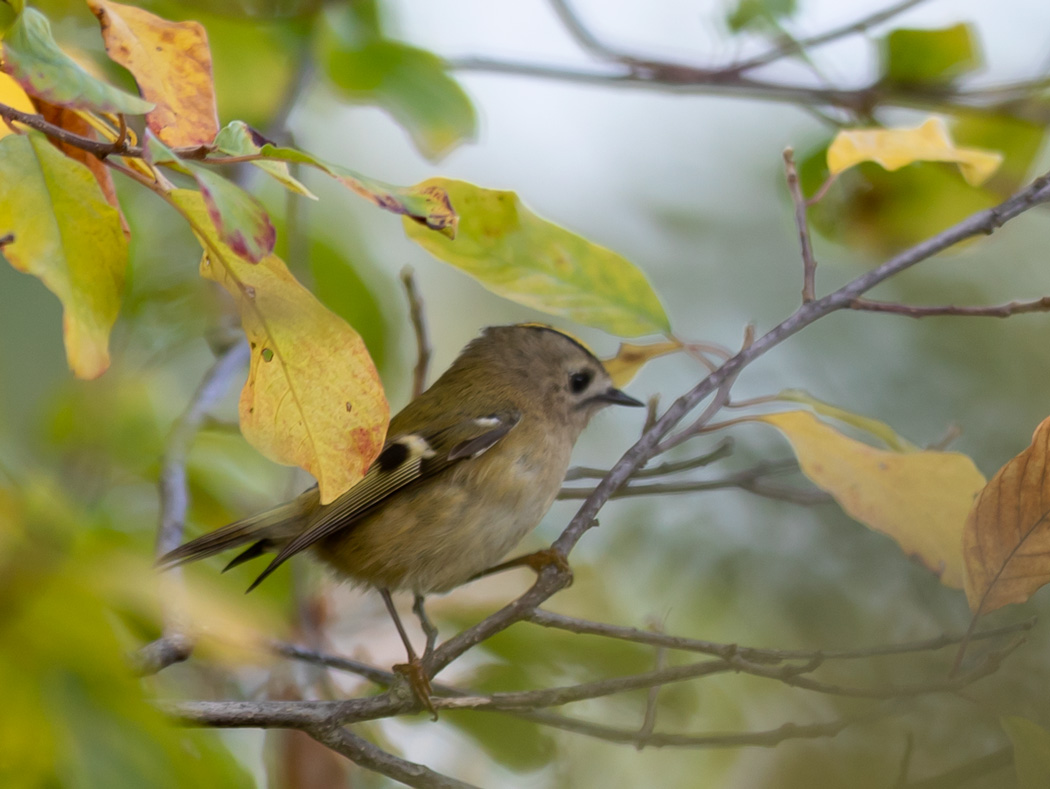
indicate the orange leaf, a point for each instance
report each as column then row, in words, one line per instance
column 171, row 63
column 1007, row 536
column 71, row 121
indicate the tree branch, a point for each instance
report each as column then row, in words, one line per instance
column 809, row 263
column 419, row 325
column 998, row 311
column 174, row 646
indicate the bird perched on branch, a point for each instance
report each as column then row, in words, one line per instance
column 469, row 467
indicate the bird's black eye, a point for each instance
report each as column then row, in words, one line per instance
column 579, row 381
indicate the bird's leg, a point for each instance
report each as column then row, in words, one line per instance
column 537, row 561
column 413, row 669
column 425, row 623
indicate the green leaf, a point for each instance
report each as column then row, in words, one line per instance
column 760, row 15
column 33, row 58
column 1019, row 142
column 929, row 57
column 242, row 222
column 1031, row 752
column 429, row 206
column 883, row 212
column 411, row 84
column 527, row 259
column 70, row 237
column 240, row 139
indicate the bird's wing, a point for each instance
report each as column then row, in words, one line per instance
column 405, row 459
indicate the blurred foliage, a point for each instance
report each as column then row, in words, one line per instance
column 79, row 467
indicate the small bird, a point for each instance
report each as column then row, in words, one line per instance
column 468, row 469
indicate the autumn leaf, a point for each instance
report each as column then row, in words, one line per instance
column 32, row 57
column 13, row 96
column 880, row 430
column 1007, row 536
column 313, row 397
column 920, row 499
column 630, row 358
column 427, row 205
column 68, row 236
column 240, row 139
column 527, row 259
column 241, row 220
column 896, row 148
column 171, row 63
column 71, row 120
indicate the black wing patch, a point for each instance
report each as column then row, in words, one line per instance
column 405, row 460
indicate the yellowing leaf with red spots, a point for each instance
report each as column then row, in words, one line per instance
column 1007, row 537
column 67, row 235
column 896, row 148
column 32, row 57
column 920, row 499
column 313, row 397
column 171, row 63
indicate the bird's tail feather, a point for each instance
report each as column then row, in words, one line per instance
column 272, row 529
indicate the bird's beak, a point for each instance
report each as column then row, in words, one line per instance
column 616, row 397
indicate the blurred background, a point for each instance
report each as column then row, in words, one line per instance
column 687, row 185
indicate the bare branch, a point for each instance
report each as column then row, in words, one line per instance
column 173, row 646
column 795, row 46
column 419, row 324
column 809, row 263
column 756, row 655
column 360, row 751
column 997, row 311
column 581, row 34
column 761, row 739
column 723, row 449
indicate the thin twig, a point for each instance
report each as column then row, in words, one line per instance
column 584, row 37
column 794, row 46
column 653, row 697
column 546, row 618
column 809, row 262
column 362, row 752
column 419, row 325
column 722, row 449
column 996, row 311
column 174, row 646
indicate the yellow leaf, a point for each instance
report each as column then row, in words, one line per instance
column 920, row 499
column 879, row 430
column 171, row 63
column 313, row 397
column 70, row 237
column 12, row 95
column 896, row 148
column 525, row 258
column 630, row 358
column 1007, row 537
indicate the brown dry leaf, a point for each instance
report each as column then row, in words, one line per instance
column 70, row 120
column 630, row 358
column 1007, row 537
column 920, row 499
column 313, row 397
column 171, row 63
